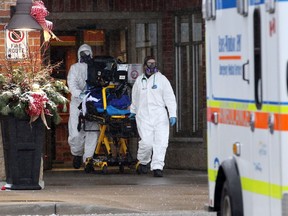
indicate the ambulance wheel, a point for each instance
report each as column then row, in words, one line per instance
column 104, row 169
column 226, row 207
column 121, row 168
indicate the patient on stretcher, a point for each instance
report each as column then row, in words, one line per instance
column 116, row 104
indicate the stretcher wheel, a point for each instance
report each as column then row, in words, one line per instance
column 89, row 166
column 121, row 168
column 104, row 169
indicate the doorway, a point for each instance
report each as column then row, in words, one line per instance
column 103, row 43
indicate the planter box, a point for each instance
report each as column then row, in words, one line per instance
column 22, row 145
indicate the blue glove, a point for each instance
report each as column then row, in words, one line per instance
column 82, row 95
column 132, row 115
column 172, row 121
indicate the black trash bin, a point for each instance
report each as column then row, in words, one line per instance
column 22, row 145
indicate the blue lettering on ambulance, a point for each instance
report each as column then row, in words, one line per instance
column 228, row 43
column 230, row 70
column 223, row 70
column 221, row 44
column 238, row 41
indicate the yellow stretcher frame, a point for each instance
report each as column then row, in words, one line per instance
column 105, row 141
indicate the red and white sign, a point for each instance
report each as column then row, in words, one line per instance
column 16, row 45
column 134, row 70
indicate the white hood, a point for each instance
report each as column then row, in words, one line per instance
column 84, row 47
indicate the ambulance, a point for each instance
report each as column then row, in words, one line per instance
column 246, row 45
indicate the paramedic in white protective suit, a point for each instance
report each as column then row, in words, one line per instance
column 82, row 144
column 154, row 107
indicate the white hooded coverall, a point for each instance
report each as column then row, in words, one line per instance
column 149, row 104
column 81, row 143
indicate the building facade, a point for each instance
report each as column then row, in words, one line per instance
column 170, row 30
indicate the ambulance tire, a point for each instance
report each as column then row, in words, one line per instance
column 225, row 208
column 229, row 187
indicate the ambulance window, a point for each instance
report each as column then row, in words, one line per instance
column 257, row 59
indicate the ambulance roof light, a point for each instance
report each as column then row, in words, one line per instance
column 242, row 7
column 209, row 9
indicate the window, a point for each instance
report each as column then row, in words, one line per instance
column 257, row 59
column 146, row 40
column 189, row 79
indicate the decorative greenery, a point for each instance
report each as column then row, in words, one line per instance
column 27, row 89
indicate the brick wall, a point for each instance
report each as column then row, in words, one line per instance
column 168, row 45
column 119, row 5
column 62, row 149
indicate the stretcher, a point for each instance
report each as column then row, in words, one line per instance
column 115, row 128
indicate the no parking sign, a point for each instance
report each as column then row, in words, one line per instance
column 16, row 45
column 134, row 70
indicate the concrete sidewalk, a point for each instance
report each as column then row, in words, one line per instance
column 73, row 192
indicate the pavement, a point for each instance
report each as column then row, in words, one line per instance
column 74, row 192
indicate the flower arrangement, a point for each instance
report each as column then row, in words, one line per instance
column 28, row 90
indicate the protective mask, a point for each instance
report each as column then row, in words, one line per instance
column 151, row 69
column 85, row 57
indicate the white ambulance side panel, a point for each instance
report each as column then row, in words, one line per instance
column 282, row 32
column 227, row 53
column 272, row 98
column 264, row 150
column 261, row 136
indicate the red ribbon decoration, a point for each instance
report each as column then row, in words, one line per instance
column 39, row 12
column 37, row 107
